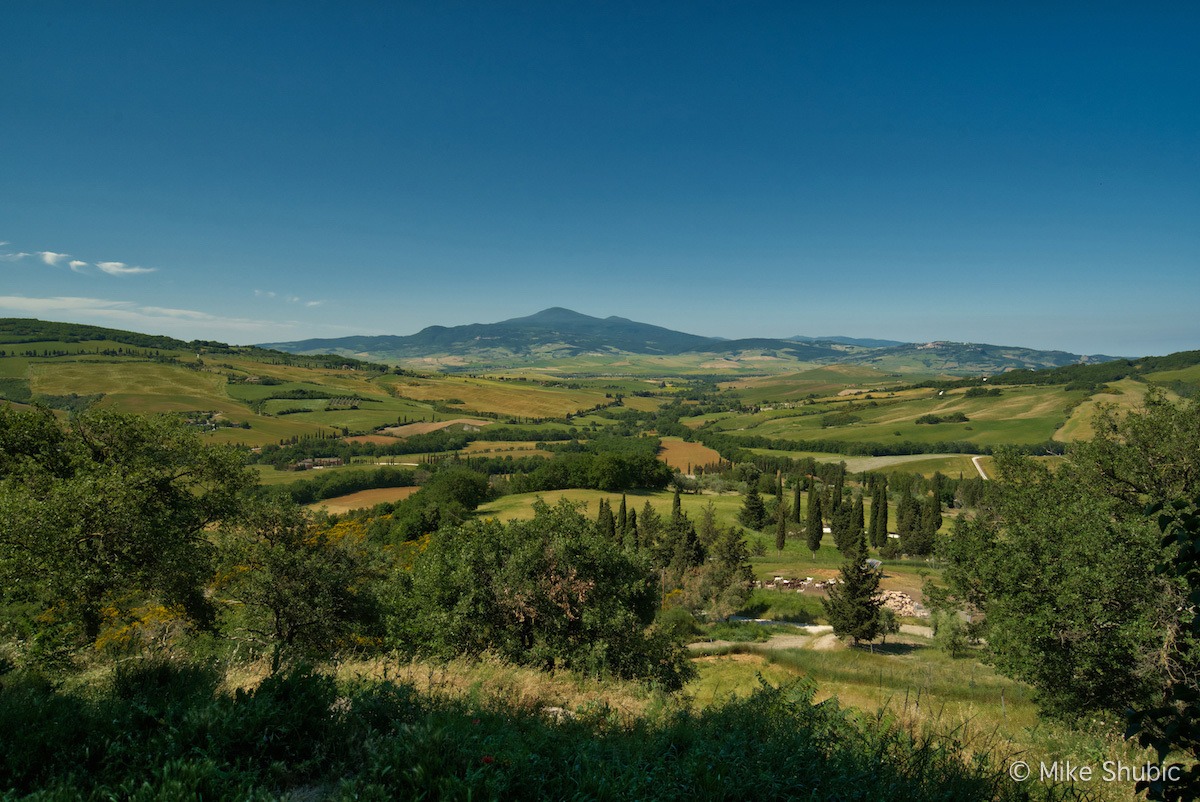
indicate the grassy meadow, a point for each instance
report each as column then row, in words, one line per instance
column 1021, row 416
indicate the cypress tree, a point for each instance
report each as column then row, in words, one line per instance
column 856, row 518
column 813, row 528
column 781, row 516
column 622, row 521
column 604, row 522
column 649, row 527
column 633, row 538
column 676, row 509
column 879, row 516
column 796, row 502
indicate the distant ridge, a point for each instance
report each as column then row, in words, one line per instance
column 863, row 341
column 558, row 332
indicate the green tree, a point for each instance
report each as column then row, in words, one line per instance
column 109, row 512
column 879, row 515
column 298, row 588
column 622, row 522
column 853, row 604
column 1173, row 725
column 548, row 592
column 908, row 523
column 649, row 527
column 721, row 586
column 753, row 513
column 781, row 520
column 814, row 527
column 605, row 523
column 1065, row 579
column 888, row 623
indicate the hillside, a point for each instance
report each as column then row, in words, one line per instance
column 561, row 335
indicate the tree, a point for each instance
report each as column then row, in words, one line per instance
column 107, row 513
column 814, row 527
column 888, row 623
column 547, row 592
column 1174, row 724
column 649, row 527
column 781, row 519
column 879, row 515
column 622, row 522
column 605, row 523
column 796, row 502
column 753, row 513
column 853, row 604
column 301, row 589
column 908, row 521
column 841, row 525
column 721, row 586
column 1063, row 571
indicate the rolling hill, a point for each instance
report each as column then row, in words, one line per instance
column 558, row 333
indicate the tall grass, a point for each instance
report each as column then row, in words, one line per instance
column 168, row 731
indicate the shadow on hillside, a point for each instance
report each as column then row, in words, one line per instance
column 893, row 649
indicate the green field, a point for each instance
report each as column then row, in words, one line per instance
column 821, row 381
column 1022, row 415
column 1126, row 394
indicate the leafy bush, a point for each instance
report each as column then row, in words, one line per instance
column 550, row 592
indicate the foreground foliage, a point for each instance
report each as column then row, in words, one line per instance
column 163, row 731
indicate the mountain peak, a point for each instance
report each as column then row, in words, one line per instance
column 552, row 316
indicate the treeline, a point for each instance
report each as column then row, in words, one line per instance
column 432, row 442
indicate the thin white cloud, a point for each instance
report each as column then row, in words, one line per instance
column 13, row 257
column 76, row 265
column 122, row 269
column 291, row 299
column 51, row 258
column 128, row 313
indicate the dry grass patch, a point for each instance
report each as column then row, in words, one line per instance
column 364, row 499
column 377, row 439
column 683, row 455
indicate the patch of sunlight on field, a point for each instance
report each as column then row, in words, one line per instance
column 14, row 367
column 130, row 379
column 363, row 499
column 722, row 676
column 683, row 455
column 521, row 399
column 1129, row 395
column 642, row 403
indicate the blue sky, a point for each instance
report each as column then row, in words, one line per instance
column 1024, row 175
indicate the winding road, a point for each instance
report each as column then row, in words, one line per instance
column 978, row 467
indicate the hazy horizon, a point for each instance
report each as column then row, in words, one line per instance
column 1022, row 176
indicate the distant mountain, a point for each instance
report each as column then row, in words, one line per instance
column 966, row 358
column 551, row 332
column 559, row 333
